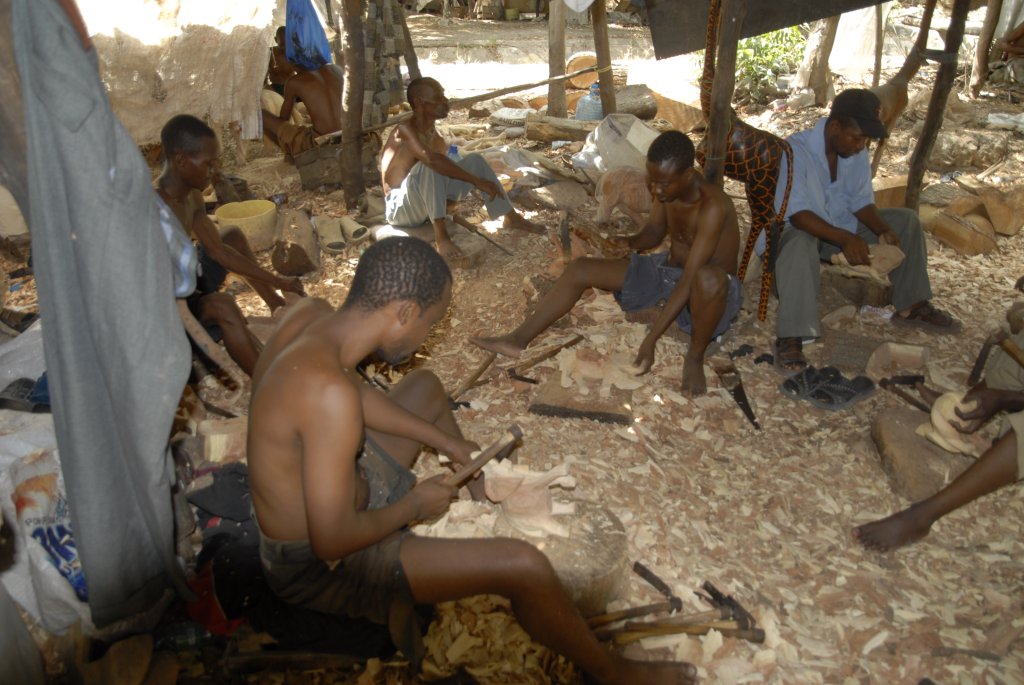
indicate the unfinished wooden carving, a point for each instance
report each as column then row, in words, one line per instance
column 525, row 497
column 942, row 431
column 581, row 366
column 884, row 258
column 624, row 187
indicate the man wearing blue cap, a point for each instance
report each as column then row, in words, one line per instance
column 832, row 209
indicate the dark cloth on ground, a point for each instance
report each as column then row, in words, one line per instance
column 232, row 588
column 649, row 282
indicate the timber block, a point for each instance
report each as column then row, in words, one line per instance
column 859, row 291
column 591, row 562
column 224, row 439
column 916, row 467
column 890, row 192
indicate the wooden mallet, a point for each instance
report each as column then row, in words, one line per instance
column 509, row 437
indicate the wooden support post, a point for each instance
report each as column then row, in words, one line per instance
column 599, row 18
column 556, row 58
column 981, row 54
column 879, row 40
column 937, row 104
column 722, row 89
column 352, row 103
column 412, row 62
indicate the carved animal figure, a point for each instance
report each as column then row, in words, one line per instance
column 752, row 156
column 893, row 93
column 624, row 187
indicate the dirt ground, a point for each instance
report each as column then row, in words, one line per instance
column 765, row 515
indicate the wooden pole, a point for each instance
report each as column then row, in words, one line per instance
column 556, row 58
column 937, row 104
column 722, row 89
column 411, row 60
column 599, row 18
column 879, row 40
column 352, row 103
column 981, row 54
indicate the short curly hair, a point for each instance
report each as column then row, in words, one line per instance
column 184, row 133
column 672, row 146
column 398, row 268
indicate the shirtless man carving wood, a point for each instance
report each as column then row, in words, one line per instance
column 421, row 182
column 695, row 279
column 329, row 460
column 320, row 91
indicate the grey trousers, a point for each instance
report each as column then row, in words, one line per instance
column 424, row 194
column 798, row 272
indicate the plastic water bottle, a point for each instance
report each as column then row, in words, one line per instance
column 589, row 106
column 453, row 152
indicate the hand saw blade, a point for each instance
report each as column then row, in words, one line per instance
column 730, row 378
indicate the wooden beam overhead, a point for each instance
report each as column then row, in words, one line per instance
column 678, row 26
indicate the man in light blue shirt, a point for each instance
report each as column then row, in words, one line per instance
column 832, row 209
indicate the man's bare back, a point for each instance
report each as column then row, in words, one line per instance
column 321, row 91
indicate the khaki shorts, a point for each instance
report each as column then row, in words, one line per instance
column 293, row 139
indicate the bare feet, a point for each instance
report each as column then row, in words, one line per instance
column 694, row 383
column 628, row 672
column 502, row 345
column 448, row 250
column 900, row 529
column 514, row 220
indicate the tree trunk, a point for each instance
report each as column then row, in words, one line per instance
column 979, row 72
column 814, row 72
column 720, row 119
column 937, row 105
column 599, row 17
column 556, row 58
column 333, row 23
column 352, row 103
column 550, row 129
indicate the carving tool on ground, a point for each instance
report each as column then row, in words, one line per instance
column 731, row 381
column 473, row 377
column 516, row 372
column 658, row 584
column 893, row 385
column 472, row 228
column 508, row 438
column 633, row 612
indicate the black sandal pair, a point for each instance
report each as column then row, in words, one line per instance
column 827, row 388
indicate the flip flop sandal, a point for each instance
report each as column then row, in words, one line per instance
column 353, row 231
column 800, row 385
column 329, row 232
column 927, row 317
column 841, row 393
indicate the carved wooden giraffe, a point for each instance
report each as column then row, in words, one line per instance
column 752, row 156
column 893, row 93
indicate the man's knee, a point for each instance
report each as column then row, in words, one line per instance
column 424, row 383
column 580, row 271
column 710, row 282
column 221, row 308
column 525, row 565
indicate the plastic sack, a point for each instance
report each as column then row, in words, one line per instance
column 42, row 510
column 619, row 140
column 305, row 40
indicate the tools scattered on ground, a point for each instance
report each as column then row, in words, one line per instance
column 658, row 584
column 730, row 377
column 728, row 617
column 895, row 385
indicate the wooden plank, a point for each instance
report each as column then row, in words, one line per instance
column 677, row 26
column 568, row 403
column 599, row 18
column 722, row 90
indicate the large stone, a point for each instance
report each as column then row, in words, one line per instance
column 963, row 149
column 916, row 467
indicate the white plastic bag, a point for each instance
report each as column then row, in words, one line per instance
column 619, row 140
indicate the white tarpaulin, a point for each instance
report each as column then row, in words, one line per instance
column 208, row 58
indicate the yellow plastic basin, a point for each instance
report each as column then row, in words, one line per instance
column 256, row 218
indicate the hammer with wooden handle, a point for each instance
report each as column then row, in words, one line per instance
column 509, row 437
